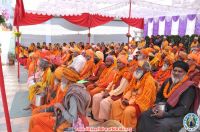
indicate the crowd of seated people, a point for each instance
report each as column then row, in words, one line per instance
column 122, row 82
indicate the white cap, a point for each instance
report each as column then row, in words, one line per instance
column 196, row 38
column 164, row 37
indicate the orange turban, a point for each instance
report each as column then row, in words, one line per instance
column 126, row 48
column 193, row 57
column 70, row 74
column 100, row 55
column 145, row 51
column 76, row 49
column 170, row 58
column 123, row 59
column 150, row 49
column 59, row 72
column 90, row 53
column 168, row 48
column 156, row 47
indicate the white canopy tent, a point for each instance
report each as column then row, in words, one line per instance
column 57, row 30
column 116, row 8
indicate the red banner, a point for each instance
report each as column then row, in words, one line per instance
column 21, row 18
column 135, row 22
column 88, row 20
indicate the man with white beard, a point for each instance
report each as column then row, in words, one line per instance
column 178, row 96
column 165, row 71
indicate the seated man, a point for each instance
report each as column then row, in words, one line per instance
column 178, row 94
column 97, row 69
column 87, row 69
column 70, row 113
column 142, row 43
column 194, row 71
column 32, row 64
column 102, row 101
column 195, row 43
column 74, row 69
column 181, row 56
column 165, row 43
column 137, row 97
column 133, row 64
column 165, row 71
column 58, row 93
column 42, row 85
column 105, row 78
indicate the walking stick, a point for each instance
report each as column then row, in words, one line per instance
column 34, row 72
column 47, row 94
column 58, row 113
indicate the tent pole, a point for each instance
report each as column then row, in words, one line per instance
column 18, row 68
column 4, row 99
column 89, row 35
column 129, row 18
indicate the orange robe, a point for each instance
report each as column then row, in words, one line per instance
column 96, row 71
column 87, row 70
column 37, row 53
column 44, row 122
column 132, row 42
column 65, row 58
column 28, row 63
column 198, row 61
column 143, row 99
column 161, row 76
column 56, row 52
column 16, row 50
column 105, row 78
column 32, row 68
column 194, row 74
column 59, row 97
column 141, row 44
column 165, row 44
column 133, row 65
column 123, row 73
column 158, row 57
column 45, row 82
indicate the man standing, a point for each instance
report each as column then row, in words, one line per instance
column 178, row 95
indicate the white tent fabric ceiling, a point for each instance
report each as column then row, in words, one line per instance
column 115, row 8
